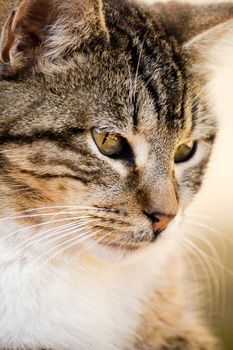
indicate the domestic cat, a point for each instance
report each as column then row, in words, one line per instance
column 106, row 130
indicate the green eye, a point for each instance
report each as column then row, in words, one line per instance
column 109, row 144
column 185, row 152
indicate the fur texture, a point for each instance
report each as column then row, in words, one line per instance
column 81, row 266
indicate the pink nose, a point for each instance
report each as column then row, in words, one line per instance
column 159, row 221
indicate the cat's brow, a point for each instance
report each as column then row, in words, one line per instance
column 49, row 135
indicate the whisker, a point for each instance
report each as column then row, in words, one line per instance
column 91, row 244
column 72, row 242
column 211, row 210
column 47, row 238
column 191, row 264
column 25, row 229
column 205, row 240
column 42, row 215
column 205, row 268
column 54, row 207
column 211, row 229
column 138, row 64
column 131, row 85
column 222, row 280
column 218, row 259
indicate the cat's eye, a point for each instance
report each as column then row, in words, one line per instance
column 109, row 144
column 185, row 152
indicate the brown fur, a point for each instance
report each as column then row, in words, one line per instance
column 186, row 20
column 169, row 321
column 47, row 77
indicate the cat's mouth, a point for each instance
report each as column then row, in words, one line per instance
column 123, row 235
column 112, row 236
column 134, row 242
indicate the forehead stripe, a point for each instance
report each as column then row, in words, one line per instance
column 49, row 135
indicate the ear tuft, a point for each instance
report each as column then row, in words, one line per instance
column 185, row 20
column 49, row 29
column 209, row 47
column 7, row 38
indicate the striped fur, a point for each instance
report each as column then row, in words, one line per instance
column 130, row 69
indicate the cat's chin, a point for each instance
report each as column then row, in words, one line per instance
column 121, row 253
column 112, row 253
column 116, row 253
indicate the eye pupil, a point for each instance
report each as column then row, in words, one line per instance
column 105, row 138
column 109, row 144
column 185, row 152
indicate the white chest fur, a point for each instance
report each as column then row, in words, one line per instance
column 74, row 306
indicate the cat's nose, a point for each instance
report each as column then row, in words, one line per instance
column 159, row 221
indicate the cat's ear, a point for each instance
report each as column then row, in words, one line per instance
column 184, row 20
column 212, row 46
column 49, row 28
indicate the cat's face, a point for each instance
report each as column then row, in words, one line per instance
column 119, row 140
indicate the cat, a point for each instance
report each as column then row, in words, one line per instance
column 106, row 131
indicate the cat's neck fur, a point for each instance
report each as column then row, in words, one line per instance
column 102, row 297
column 72, row 302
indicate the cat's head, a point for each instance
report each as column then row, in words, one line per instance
column 103, row 120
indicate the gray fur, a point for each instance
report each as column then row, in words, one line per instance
column 132, row 77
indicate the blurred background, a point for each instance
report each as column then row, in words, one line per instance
column 210, row 218
column 212, row 213
column 214, row 206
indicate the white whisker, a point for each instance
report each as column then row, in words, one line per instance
column 27, row 228
column 205, row 269
column 17, row 214
column 47, row 238
column 72, row 242
column 219, row 234
column 215, row 255
column 138, row 64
